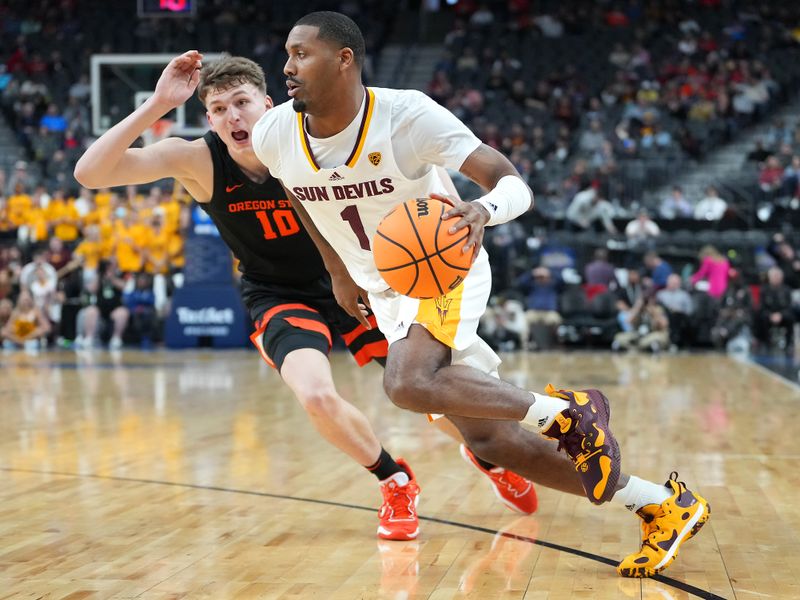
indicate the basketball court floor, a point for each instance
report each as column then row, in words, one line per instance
column 196, row 475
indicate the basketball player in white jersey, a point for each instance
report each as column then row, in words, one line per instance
column 347, row 155
column 285, row 286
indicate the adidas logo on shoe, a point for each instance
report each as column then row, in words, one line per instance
column 335, row 177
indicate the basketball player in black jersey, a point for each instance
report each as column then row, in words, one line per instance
column 284, row 282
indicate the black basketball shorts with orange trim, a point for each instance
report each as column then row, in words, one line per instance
column 294, row 317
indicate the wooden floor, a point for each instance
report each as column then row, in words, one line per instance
column 196, row 475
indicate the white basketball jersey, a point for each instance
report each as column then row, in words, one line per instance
column 348, row 201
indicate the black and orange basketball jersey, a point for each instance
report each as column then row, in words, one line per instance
column 258, row 223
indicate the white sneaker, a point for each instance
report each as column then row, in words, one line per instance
column 79, row 343
column 115, row 343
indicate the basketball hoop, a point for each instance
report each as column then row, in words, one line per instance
column 157, row 131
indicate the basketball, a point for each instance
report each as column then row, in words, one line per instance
column 416, row 254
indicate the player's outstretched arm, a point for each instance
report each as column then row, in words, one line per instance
column 110, row 161
column 350, row 297
column 509, row 196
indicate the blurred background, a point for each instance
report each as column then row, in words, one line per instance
column 661, row 139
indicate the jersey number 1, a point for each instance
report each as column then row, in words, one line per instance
column 350, row 214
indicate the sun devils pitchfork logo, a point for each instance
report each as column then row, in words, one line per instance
column 442, row 306
column 374, row 158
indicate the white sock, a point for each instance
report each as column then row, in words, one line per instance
column 400, row 478
column 639, row 493
column 542, row 412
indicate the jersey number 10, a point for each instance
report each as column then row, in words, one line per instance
column 283, row 220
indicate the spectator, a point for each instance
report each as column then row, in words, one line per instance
column 18, row 206
column 712, row 207
column 52, row 120
column 482, row 18
column 599, row 271
column 587, row 207
column 642, row 229
column 659, row 269
column 549, row 25
column 91, row 322
column 630, row 289
column 42, row 289
column 6, row 308
column 591, row 140
column 62, row 213
column 770, row 178
column 775, row 319
column 735, row 316
column 19, row 176
column 758, row 154
column 674, row 298
column 714, row 269
column 786, row 259
column 505, row 325
column 27, row 275
column 109, row 302
column 58, row 254
column 678, row 304
column 440, row 88
column 87, row 255
column 25, row 326
column 791, row 178
column 676, row 205
column 8, row 230
column 541, row 298
column 649, row 328
column 140, row 303
column 619, row 56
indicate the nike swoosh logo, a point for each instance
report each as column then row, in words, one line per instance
column 230, row 188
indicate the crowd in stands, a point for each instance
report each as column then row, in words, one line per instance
column 659, row 84
column 45, row 51
column 642, row 301
column 591, row 101
column 93, row 269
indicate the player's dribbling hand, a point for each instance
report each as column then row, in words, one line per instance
column 349, row 297
column 473, row 215
column 179, row 79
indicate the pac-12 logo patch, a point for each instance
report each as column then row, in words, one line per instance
column 375, row 158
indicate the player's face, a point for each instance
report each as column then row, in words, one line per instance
column 232, row 113
column 310, row 69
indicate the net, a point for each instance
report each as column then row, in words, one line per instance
column 158, row 131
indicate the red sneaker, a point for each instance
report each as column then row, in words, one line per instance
column 398, row 513
column 513, row 490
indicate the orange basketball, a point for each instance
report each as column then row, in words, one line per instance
column 415, row 253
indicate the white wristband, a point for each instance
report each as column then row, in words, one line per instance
column 508, row 200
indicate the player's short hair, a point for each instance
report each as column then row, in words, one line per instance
column 228, row 72
column 339, row 29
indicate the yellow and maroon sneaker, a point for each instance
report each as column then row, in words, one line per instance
column 665, row 527
column 582, row 430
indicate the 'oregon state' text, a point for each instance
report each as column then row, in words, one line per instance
column 258, row 205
